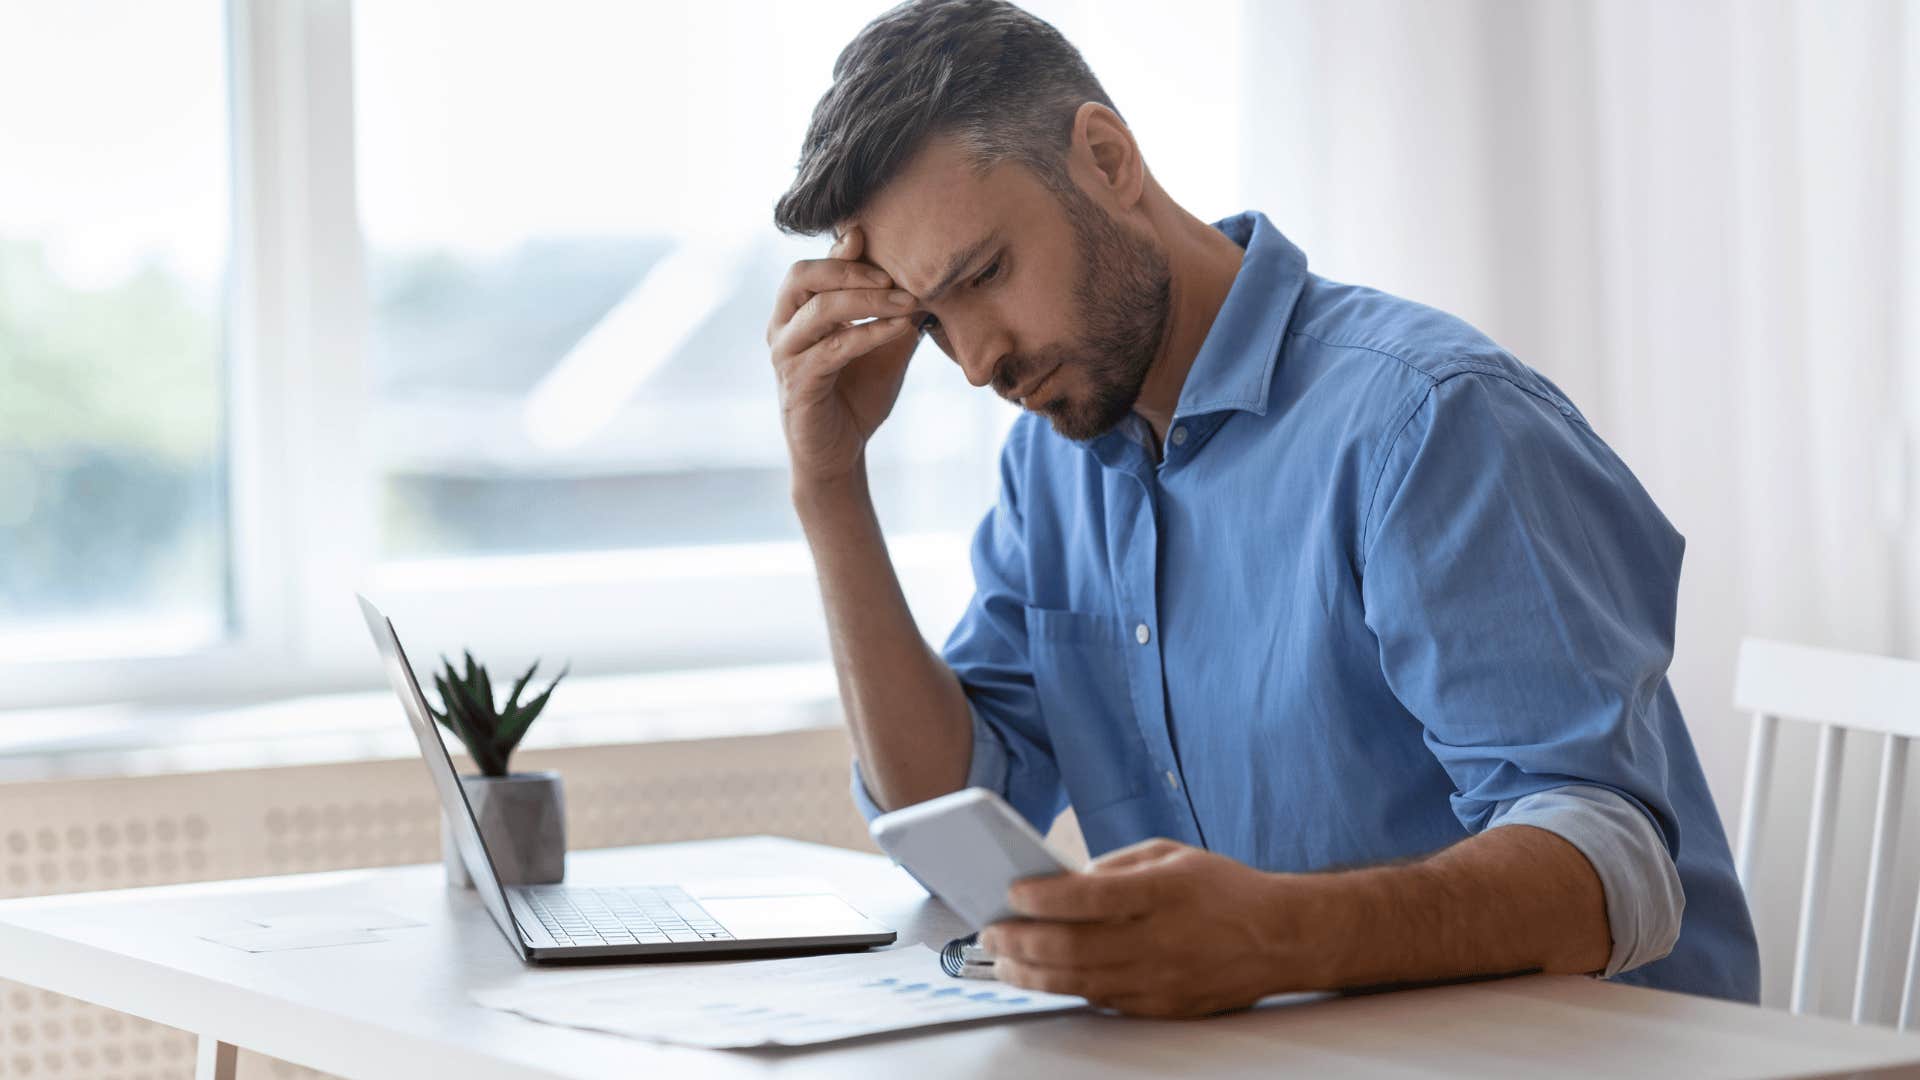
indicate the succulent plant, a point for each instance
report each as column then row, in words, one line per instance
column 489, row 734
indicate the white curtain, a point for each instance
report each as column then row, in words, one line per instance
column 1701, row 220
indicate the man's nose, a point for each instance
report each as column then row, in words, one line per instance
column 978, row 358
column 978, row 369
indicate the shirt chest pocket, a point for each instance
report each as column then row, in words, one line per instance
column 1080, row 676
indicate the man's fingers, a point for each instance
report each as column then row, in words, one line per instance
column 1091, row 896
column 851, row 243
column 1134, row 854
column 820, row 275
column 841, row 269
column 829, row 311
column 1097, row 985
column 843, row 346
column 1086, row 984
column 1149, row 1005
column 1058, row 944
column 809, row 277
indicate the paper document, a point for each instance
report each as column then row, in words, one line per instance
column 795, row 1002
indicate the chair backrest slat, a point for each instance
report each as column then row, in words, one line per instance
column 1840, row 691
column 1910, row 995
column 1813, row 889
column 1753, row 804
column 1886, row 830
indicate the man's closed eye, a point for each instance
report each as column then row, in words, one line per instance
column 930, row 322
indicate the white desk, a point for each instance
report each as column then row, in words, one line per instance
column 401, row 1008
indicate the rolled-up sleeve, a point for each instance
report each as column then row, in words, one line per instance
column 1522, row 587
column 1645, row 901
column 987, row 770
column 988, row 652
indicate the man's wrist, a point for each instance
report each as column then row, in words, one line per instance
column 1317, row 925
column 1338, row 929
column 826, row 495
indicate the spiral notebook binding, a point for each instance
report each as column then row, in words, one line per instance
column 951, row 960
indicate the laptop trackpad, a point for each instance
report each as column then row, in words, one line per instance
column 787, row 916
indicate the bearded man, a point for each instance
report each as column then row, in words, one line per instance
column 1342, row 632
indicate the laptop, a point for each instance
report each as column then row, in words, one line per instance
column 569, row 922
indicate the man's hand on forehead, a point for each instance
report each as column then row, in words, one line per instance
column 850, row 245
column 840, row 338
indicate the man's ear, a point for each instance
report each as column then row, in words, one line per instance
column 1102, row 140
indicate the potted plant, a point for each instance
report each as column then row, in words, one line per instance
column 522, row 815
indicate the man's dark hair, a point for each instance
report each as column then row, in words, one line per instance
column 1003, row 82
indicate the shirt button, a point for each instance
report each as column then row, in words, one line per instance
column 1141, row 634
column 1172, row 780
column 1180, row 436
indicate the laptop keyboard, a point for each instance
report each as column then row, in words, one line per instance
column 575, row 915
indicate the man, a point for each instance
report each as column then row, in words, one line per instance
column 1341, row 631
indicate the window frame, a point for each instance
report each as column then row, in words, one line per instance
column 296, row 383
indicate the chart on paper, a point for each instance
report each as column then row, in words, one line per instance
column 790, row 1002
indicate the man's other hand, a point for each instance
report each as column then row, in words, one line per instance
column 1155, row 929
column 838, row 378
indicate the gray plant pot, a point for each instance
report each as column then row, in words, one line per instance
column 523, row 819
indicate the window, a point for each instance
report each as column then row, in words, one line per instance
column 113, row 467
column 458, row 303
column 571, row 266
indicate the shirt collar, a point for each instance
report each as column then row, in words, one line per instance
column 1234, row 368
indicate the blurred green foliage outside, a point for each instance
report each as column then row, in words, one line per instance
column 112, row 445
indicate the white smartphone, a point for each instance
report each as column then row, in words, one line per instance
column 966, row 848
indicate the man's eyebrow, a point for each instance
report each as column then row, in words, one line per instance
column 957, row 265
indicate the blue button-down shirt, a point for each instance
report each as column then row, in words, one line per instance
column 1382, row 584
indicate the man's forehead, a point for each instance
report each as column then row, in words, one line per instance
column 916, row 249
column 936, row 209
column 918, row 253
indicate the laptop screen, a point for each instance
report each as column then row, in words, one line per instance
column 453, row 796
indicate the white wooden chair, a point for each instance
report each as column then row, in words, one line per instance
column 1841, row 692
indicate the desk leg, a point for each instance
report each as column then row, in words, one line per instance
column 217, row 1060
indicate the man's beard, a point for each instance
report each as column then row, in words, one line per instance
column 1124, row 295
